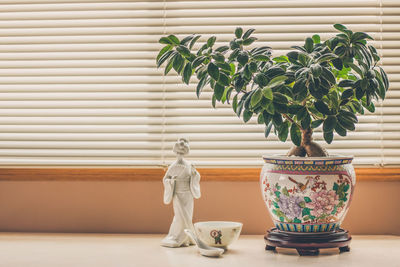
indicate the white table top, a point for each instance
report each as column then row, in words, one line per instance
column 27, row 250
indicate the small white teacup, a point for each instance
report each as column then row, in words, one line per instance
column 218, row 233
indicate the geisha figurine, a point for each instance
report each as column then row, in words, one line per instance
column 181, row 186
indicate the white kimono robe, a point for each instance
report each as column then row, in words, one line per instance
column 181, row 186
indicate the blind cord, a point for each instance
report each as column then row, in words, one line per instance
column 382, row 148
column 163, row 109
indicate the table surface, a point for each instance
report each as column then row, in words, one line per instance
column 26, row 249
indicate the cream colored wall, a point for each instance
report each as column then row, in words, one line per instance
column 136, row 207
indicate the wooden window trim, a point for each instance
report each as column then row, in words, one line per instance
column 155, row 174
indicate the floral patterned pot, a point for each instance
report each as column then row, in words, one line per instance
column 307, row 194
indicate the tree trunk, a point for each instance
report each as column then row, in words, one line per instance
column 307, row 147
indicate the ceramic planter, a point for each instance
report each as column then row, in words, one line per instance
column 307, row 194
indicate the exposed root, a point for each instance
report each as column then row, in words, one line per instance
column 315, row 150
column 308, row 147
column 297, row 151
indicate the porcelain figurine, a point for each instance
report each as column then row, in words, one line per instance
column 181, row 187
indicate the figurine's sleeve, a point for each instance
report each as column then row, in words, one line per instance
column 195, row 183
column 168, row 187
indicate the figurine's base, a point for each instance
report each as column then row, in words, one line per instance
column 308, row 244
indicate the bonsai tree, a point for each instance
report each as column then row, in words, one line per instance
column 320, row 84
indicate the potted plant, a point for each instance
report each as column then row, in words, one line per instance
column 318, row 85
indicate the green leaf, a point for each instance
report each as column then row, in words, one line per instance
column 309, row 45
column 163, row 51
column 261, row 79
column 279, row 59
column 316, row 39
column 243, row 58
column 356, row 69
column 329, row 123
column 328, row 75
column 168, row 67
column 222, row 48
column 347, row 94
column 249, row 41
column 346, row 83
column 283, row 131
column 316, row 69
column 316, row 123
column 270, row 108
column 340, row 130
column 260, row 118
column 282, row 219
column 185, row 40
column 267, row 92
column 233, row 69
column 187, row 73
column 223, row 79
column 238, row 32
column 322, row 107
column 295, row 134
column 213, row 71
column 345, row 123
column 198, row 61
column 337, row 63
column 234, row 103
column 200, row 85
column 194, row 40
column 267, row 130
column 213, row 101
column 261, row 58
column 340, row 27
column 183, row 50
column 279, row 98
column 225, row 67
column 174, row 39
column 306, row 121
column 256, row 97
column 384, row 78
column 247, row 115
column 302, row 204
column 293, row 56
column 328, row 136
column 357, row 36
column 294, row 109
column 163, row 58
column 277, row 120
column 276, row 81
column 178, row 63
column 211, row 41
column 348, row 115
column 248, row 33
column 307, row 199
column 218, row 57
column 253, row 67
column 165, row 40
column 218, row 91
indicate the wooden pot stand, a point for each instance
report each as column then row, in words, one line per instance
column 307, row 244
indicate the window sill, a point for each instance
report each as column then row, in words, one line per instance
column 155, row 174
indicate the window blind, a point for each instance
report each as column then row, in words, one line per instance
column 79, row 85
